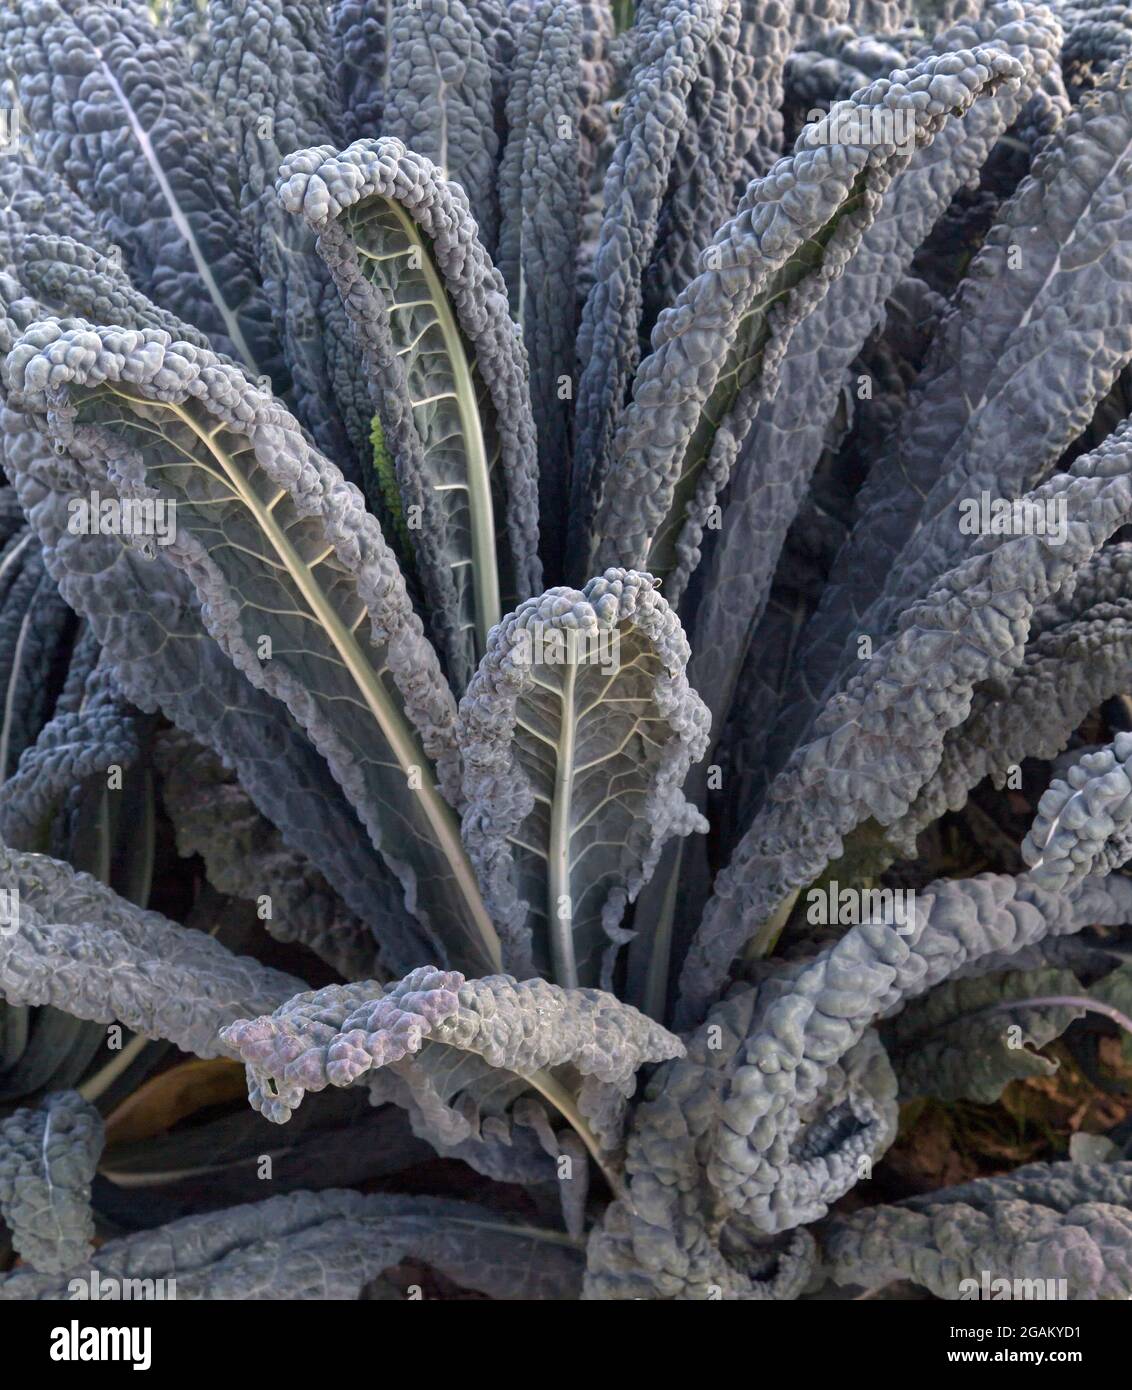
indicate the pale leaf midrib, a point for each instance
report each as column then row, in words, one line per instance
column 390, row 720
column 660, row 557
column 558, row 843
column 660, row 547
column 181, row 221
column 485, row 568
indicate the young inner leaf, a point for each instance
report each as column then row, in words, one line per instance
column 443, row 395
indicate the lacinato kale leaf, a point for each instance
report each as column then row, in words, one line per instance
column 629, row 495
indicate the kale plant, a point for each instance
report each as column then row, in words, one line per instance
column 563, row 586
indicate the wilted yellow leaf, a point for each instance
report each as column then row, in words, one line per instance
column 170, row 1096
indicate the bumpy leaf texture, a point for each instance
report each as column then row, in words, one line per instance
column 955, row 1043
column 113, row 117
column 338, row 1035
column 1077, row 656
column 706, row 165
column 721, row 331
column 671, row 49
column 103, row 732
column 538, row 239
column 262, row 70
column 447, row 370
column 1068, row 1223
column 1031, row 299
column 284, row 215
column 786, row 1087
column 83, row 949
column 36, row 632
column 774, row 459
column 1084, row 821
column 146, row 617
column 148, row 621
column 295, row 581
column 577, row 733
column 439, row 98
column 244, row 856
column 878, row 743
column 47, row 1159
column 326, row 1245
column 360, row 56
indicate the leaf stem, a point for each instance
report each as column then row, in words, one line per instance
column 655, row 998
column 389, row 719
column 485, row 566
column 558, row 850
column 1064, row 1001
column 181, row 222
column 104, row 1078
column 553, row 1090
column 766, row 938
